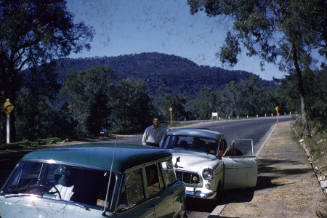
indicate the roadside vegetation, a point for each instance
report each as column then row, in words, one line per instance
column 30, row 144
column 88, row 102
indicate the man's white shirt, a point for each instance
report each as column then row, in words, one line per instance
column 65, row 192
column 153, row 135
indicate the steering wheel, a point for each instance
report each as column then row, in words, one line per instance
column 56, row 190
column 41, row 189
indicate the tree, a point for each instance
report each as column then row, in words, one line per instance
column 247, row 97
column 99, row 111
column 204, row 104
column 32, row 33
column 176, row 102
column 88, row 95
column 284, row 32
column 230, row 96
column 131, row 106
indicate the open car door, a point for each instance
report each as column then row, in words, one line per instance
column 240, row 166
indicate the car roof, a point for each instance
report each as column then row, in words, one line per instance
column 98, row 155
column 196, row 132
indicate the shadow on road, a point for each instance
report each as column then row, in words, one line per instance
column 215, row 216
column 200, row 205
column 268, row 171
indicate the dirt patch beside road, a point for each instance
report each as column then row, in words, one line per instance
column 287, row 186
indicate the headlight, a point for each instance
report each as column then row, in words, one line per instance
column 207, row 174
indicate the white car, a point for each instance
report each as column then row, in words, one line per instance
column 207, row 166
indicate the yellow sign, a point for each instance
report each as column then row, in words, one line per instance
column 276, row 108
column 170, row 109
column 8, row 107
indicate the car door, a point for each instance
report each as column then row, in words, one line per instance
column 132, row 199
column 157, row 193
column 174, row 191
column 240, row 166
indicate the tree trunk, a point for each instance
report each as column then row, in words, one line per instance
column 298, row 71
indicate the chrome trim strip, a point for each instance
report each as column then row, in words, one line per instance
column 199, row 194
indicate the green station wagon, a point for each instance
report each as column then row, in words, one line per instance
column 94, row 180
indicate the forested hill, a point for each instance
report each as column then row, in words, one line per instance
column 159, row 71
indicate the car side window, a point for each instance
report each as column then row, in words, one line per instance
column 168, row 172
column 154, row 180
column 132, row 191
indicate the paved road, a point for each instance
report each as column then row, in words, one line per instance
column 245, row 129
column 254, row 129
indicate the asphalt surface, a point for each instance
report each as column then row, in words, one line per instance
column 254, row 129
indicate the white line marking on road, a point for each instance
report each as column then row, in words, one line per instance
column 267, row 136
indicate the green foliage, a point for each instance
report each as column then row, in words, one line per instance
column 32, row 33
column 33, row 107
column 316, row 89
column 131, row 106
column 281, row 32
column 98, row 113
column 87, row 94
column 164, row 101
column 316, row 92
column 30, row 144
column 204, row 104
column 158, row 71
column 248, row 97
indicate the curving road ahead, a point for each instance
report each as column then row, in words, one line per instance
column 255, row 129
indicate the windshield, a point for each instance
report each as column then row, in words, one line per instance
column 195, row 143
column 84, row 186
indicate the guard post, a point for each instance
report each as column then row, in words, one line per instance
column 276, row 108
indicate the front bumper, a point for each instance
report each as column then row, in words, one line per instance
column 200, row 193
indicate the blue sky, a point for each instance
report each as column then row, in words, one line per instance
column 166, row 26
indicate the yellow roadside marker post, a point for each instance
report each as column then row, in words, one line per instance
column 276, row 108
column 171, row 115
column 8, row 108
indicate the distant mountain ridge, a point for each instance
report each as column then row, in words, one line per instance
column 159, row 71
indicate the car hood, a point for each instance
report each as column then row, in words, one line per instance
column 192, row 160
column 32, row 206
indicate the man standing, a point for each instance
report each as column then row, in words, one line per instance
column 153, row 134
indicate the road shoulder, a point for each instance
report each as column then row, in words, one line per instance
column 287, row 186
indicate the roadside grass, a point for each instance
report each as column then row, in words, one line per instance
column 181, row 124
column 30, row 144
column 317, row 145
